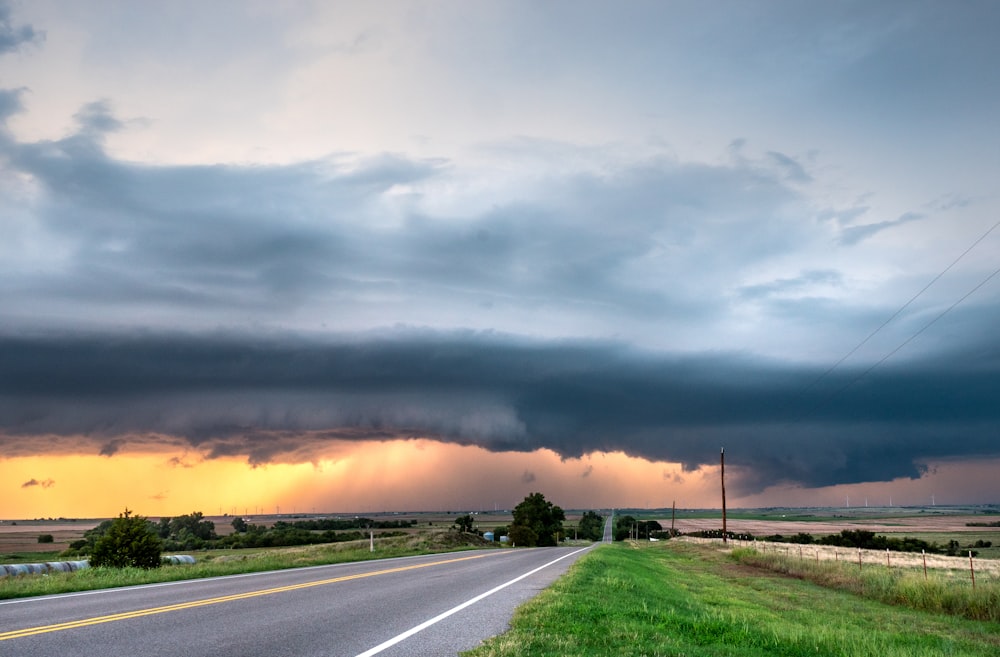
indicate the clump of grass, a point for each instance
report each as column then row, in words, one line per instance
column 936, row 592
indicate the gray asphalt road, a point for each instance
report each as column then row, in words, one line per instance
column 345, row 609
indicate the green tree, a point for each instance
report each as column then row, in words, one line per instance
column 541, row 517
column 130, row 541
column 195, row 525
column 240, row 525
column 523, row 535
column 464, row 523
column 45, row 538
column 623, row 527
column 591, row 527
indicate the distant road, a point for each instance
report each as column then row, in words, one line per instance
column 358, row 609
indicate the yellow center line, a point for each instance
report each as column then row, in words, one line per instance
column 43, row 629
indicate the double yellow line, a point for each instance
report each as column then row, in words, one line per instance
column 97, row 620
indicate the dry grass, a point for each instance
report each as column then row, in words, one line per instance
column 957, row 566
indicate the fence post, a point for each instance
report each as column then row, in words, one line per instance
column 887, row 558
column 859, row 558
column 972, row 570
column 924, row 553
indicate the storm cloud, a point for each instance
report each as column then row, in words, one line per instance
column 323, row 225
column 282, row 400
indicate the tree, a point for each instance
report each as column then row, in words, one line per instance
column 240, row 525
column 623, row 527
column 130, row 541
column 543, row 520
column 45, row 538
column 464, row 523
column 591, row 527
column 523, row 535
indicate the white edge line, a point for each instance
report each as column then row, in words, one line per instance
column 454, row 610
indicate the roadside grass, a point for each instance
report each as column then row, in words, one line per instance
column 939, row 592
column 214, row 563
column 684, row 599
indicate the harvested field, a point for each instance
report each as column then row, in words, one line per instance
column 901, row 525
column 959, row 566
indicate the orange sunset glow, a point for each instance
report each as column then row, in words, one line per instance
column 364, row 477
column 414, row 475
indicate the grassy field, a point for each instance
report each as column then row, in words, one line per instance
column 673, row 598
column 213, row 563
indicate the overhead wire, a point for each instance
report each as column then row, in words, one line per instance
column 919, row 331
column 898, row 313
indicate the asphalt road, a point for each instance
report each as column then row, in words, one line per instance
column 357, row 609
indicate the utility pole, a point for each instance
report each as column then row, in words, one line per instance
column 722, row 461
column 673, row 516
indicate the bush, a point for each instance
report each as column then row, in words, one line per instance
column 45, row 538
column 128, row 542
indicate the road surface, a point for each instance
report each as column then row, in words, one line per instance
column 357, row 610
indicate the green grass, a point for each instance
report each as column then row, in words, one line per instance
column 937, row 592
column 215, row 563
column 682, row 599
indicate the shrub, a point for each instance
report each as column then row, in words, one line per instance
column 128, row 542
column 45, row 538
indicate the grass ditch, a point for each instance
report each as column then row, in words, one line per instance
column 215, row 563
column 935, row 592
column 686, row 599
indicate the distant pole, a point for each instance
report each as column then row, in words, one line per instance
column 673, row 516
column 722, row 459
column 371, row 536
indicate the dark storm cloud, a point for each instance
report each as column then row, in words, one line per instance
column 283, row 400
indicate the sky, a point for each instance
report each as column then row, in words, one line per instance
column 265, row 257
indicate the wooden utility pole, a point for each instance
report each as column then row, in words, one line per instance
column 673, row 517
column 722, row 458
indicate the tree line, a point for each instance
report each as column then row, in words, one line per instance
column 194, row 532
column 134, row 541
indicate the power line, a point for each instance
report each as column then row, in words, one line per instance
column 898, row 312
column 921, row 330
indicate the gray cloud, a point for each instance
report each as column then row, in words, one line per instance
column 527, row 477
column 13, row 37
column 336, row 239
column 854, row 234
column 283, row 400
column 800, row 284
